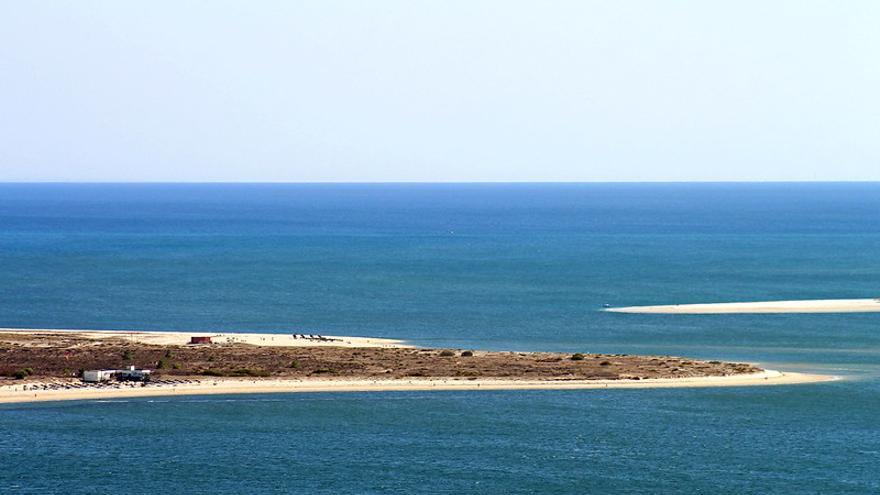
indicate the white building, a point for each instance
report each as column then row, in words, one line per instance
column 130, row 374
column 94, row 376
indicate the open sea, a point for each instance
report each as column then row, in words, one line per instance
column 500, row 266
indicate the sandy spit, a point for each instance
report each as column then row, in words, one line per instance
column 15, row 393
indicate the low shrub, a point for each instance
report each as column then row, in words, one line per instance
column 473, row 373
column 467, row 354
column 447, row 353
column 605, row 363
column 577, row 357
column 23, row 373
column 213, row 372
column 248, row 372
column 18, row 374
column 553, row 359
column 294, row 365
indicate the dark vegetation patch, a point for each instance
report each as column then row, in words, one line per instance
column 24, row 356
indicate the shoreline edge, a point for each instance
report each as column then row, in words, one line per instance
column 16, row 394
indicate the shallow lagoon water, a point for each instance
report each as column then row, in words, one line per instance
column 519, row 267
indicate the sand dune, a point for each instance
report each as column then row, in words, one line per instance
column 814, row 306
column 15, row 393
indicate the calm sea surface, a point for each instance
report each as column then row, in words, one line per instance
column 518, row 267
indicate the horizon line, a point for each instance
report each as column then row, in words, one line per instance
column 451, row 182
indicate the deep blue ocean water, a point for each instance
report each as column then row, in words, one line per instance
column 519, row 267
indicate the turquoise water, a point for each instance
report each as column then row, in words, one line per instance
column 521, row 267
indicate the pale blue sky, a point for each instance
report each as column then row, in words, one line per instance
column 439, row 91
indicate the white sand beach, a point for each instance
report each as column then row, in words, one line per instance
column 201, row 386
column 813, row 306
column 183, row 338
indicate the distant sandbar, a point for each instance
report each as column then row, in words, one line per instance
column 812, row 306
